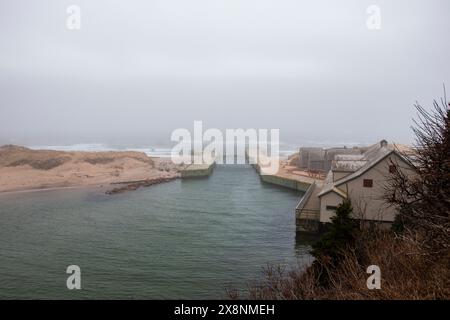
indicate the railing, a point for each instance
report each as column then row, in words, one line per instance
column 306, row 214
column 307, row 219
column 304, row 199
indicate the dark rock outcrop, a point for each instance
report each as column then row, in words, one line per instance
column 134, row 185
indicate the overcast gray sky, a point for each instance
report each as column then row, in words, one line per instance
column 136, row 70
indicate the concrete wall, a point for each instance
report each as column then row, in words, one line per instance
column 196, row 171
column 285, row 182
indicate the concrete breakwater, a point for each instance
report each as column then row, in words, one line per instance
column 296, row 183
column 191, row 171
column 306, row 220
column 197, row 170
column 285, row 182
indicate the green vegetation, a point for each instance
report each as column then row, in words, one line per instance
column 340, row 234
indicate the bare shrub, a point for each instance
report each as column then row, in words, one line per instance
column 408, row 271
column 423, row 198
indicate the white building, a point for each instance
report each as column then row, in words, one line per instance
column 360, row 178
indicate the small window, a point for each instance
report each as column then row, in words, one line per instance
column 367, row 183
column 333, row 208
column 392, row 168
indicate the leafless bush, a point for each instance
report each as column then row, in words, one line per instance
column 408, row 271
column 423, row 195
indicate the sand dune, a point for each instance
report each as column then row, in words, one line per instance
column 25, row 169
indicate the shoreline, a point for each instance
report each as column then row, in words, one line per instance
column 24, row 170
column 108, row 189
column 13, row 192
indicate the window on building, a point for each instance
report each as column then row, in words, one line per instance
column 392, row 168
column 367, row 183
column 333, row 208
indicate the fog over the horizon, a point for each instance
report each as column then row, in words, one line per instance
column 136, row 70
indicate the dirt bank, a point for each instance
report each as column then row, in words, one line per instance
column 25, row 169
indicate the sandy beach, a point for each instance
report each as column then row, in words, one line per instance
column 26, row 169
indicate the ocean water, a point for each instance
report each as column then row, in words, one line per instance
column 188, row 239
column 153, row 151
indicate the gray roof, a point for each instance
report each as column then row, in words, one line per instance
column 348, row 162
column 371, row 157
column 350, row 157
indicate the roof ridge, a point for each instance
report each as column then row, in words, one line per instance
column 370, row 163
